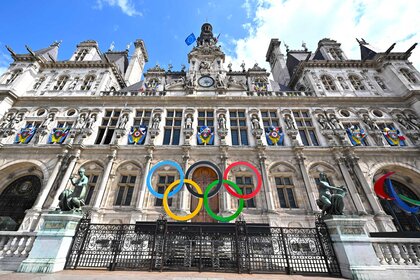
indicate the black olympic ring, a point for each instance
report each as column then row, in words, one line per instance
column 219, row 177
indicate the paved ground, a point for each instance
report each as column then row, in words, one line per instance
column 131, row 275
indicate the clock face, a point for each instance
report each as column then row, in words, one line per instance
column 206, row 81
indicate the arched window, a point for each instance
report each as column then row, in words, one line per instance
column 286, row 191
column 38, row 83
column 61, row 82
column 336, row 54
column 402, row 220
column 88, row 82
column 408, row 75
column 380, row 82
column 328, row 83
column 13, row 76
column 356, row 83
column 125, row 190
column 81, row 55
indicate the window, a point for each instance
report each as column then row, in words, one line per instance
column 328, row 83
column 61, row 82
column 238, row 128
column 355, row 126
column 64, row 124
column 336, row 54
column 246, row 185
column 206, row 118
column 87, row 83
column 356, row 83
column 163, row 183
column 380, row 82
column 172, row 127
column 270, row 118
column 407, row 74
column 81, row 55
column 142, row 117
column 38, row 83
column 125, row 190
column 285, row 192
column 108, row 125
column 305, row 127
column 93, row 179
column 13, row 76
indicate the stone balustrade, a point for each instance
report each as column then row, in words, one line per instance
column 14, row 248
column 397, row 251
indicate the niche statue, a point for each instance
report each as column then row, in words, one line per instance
column 74, row 199
column 330, row 199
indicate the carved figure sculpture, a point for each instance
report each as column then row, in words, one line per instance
column 334, row 122
column 243, row 66
column 230, row 66
column 81, row 122
column 255, row 122
column 369, row 122
column 123, row 121
column 7, row 121
column 91, row 121
column 220, row 80
column 222, row 122
column 322, row 120
column 48, row 121
column 330, row 199
column 156, row 121
column 74, row 199
column 290, row 124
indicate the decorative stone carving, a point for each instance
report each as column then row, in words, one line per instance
column 220, row 80
column 322, row 120
column 290, row 124
column 122, row 122
column 222, row 129
column 369, row 122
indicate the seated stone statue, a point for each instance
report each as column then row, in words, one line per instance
column 330, row 198
column 74, row 199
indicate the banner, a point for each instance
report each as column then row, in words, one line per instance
column 137, row 135
column 58, row 135
column 25, row 135
column 205, row 136
column 356, row 135
column 274, row 135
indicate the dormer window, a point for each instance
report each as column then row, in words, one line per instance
column 81, row 55
column 13, row 76
column 61, row 82
column 356, row 83
column 328, row 83
column 88, row 82
column 336, row 54
column 408, row 75
column 38, row 83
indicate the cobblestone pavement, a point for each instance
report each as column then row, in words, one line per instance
column 139, row 275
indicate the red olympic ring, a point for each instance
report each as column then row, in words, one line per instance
column 257, row 173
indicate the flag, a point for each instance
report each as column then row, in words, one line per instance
column 25, row 135
column 205, row 136
column 137, row 135
column 190, row 39
column 58, row 135
column 217, row 38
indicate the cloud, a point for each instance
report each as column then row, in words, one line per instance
column 126, row 6
column 379, row 22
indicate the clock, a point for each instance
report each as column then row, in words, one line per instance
column 206, row 81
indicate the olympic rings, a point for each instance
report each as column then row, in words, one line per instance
column 257, row 173
column 219, row 178
column 165, row 201
column 149, row 178
column 211, row 213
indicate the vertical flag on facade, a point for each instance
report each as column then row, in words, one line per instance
column 190, row 39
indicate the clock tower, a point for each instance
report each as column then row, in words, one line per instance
column 206, row 62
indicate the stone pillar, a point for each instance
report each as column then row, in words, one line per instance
column 266, row 188
column 66, row 178
column 52, row 244
column 46, row 190
column 352, row 191
column 185, row 195
column 311, row 196
column 355, row 253
column 225, row 198
column 140, row 201
column 104, row 181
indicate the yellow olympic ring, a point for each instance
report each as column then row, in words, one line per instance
column 165, row 201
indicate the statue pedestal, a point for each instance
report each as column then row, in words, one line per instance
column 353, row 248
column 52, row 243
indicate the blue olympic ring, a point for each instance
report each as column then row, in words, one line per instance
column 181, row 178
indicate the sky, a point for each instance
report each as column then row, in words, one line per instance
column 245, row 26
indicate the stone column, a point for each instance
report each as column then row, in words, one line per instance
column 66, row 178
column 225, row 198
column 266, row 188
column 104, row 181
column 185, row 196
column 311, row 196
column 140, row 201
column 352, row 191
column 46, row 190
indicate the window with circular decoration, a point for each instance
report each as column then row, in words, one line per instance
column 378, row 113
column 206, row 81
column 71, row 112
column 40, row 112
column 345, row 113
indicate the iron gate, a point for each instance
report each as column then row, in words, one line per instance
column 238, row 247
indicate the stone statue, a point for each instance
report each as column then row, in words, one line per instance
column 330, row 199
column 406, row 122
column 74, row 199
column 334, row 122
column 243, row 66
column 289, row 122
column 170, row 66
column 255, row 122
column 81, row 122
column 413, row 121
column 188, row 122
column 222, row 121
column 7, row 121
column 230, row 66
column 48, row 121
column 91, row 121
column 183, row 68
column 123, row 121
column 220, row 80
column 369, row 122
column 323, row 122
column 156, row 121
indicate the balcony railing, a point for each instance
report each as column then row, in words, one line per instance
column 397, row 251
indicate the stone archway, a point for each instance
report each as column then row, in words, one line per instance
column 16, row 198
column 203, row 176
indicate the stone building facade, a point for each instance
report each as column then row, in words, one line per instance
column 321, row 113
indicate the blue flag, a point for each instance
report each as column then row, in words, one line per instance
column 190, row 39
